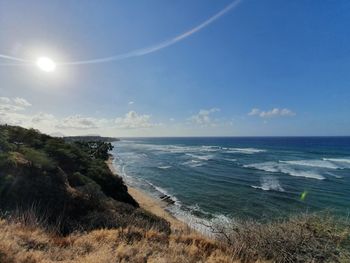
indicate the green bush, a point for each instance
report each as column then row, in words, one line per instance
column 38, row 158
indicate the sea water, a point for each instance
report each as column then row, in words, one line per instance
column 240, row 177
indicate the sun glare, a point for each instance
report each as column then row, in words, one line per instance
column 46, row 64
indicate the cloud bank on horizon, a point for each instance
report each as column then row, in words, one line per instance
column 15, row 111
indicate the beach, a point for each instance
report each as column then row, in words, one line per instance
column 151, row 204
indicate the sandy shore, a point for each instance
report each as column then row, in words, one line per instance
column 151, row 204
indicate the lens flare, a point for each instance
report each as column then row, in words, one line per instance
column 303, row 195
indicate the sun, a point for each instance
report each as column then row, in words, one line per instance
column 46, row 64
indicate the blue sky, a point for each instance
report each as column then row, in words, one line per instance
column 263, row 68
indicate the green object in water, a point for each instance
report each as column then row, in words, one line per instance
column 303, row 195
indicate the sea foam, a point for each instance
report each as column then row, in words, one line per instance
column 276, row 167
column 325, row 163
column 244, row 150
column 269, row 183
column 164, row 167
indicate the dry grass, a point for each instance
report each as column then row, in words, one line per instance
column 302, row 238
column 19, row 243
column 306, row 238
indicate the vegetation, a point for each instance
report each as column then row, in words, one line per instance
column 90, row 138
column 302, row 238
column 306, row 238
column 59, row 202
column 68, row 183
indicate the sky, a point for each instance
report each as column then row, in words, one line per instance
column 261, row 68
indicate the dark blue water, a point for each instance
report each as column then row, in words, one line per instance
column 256, row 177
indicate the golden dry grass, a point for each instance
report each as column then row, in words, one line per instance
column 304, row 238
column 25, row 244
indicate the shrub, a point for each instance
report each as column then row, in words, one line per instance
column 38, row 158
column 302, row 238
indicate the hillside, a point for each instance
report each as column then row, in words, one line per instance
column 67, row 183
column 59, row 202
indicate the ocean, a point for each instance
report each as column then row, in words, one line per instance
column 240, row 177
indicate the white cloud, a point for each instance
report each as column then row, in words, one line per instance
column 203, row 117
column 254, row 111
column 132, row 120
column 78, row 122
column 43, row 117
column 4, row 100
column 131, row 102
column 275, row 112
column 10, row 110
column 22, row 102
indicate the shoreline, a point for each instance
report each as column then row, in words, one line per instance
column 151, row 204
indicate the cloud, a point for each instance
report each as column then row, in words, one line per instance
column 275, row 112
column 132, row 120
column 11, row 110
column 43, row 117
column 131, row 102
column 203, row 117
column 254, row 111
column 13, row 104
column 21, row 102
column 78, row 122
column 4, row 100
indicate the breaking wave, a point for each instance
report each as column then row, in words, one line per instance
column 244, row 150
column 344, row 161
column 325, row 163
column 269, row 183
column 200, row 157
column 276, row 167
column 164, row 167
column 193, row 163
column 172, row 148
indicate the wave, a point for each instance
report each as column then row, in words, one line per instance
column 200, row 157
column 164, row 192
column 187, row 215
column 230, row 159
column 269, row 183
column 244, row 150
column 164, row 167
column 344, row 161
column 172, row 148
column 200, row 224
column 276, row 167
column 314, row 163
column 193, row 163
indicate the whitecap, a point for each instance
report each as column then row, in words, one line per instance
column 230, row 160
column 342, row 163
column 193, row 163
column 200, row 157
column 244, row 150
column 164, row 167
column 343, row 160
column 269, row 183
column 313, row 163
column 275, row 167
